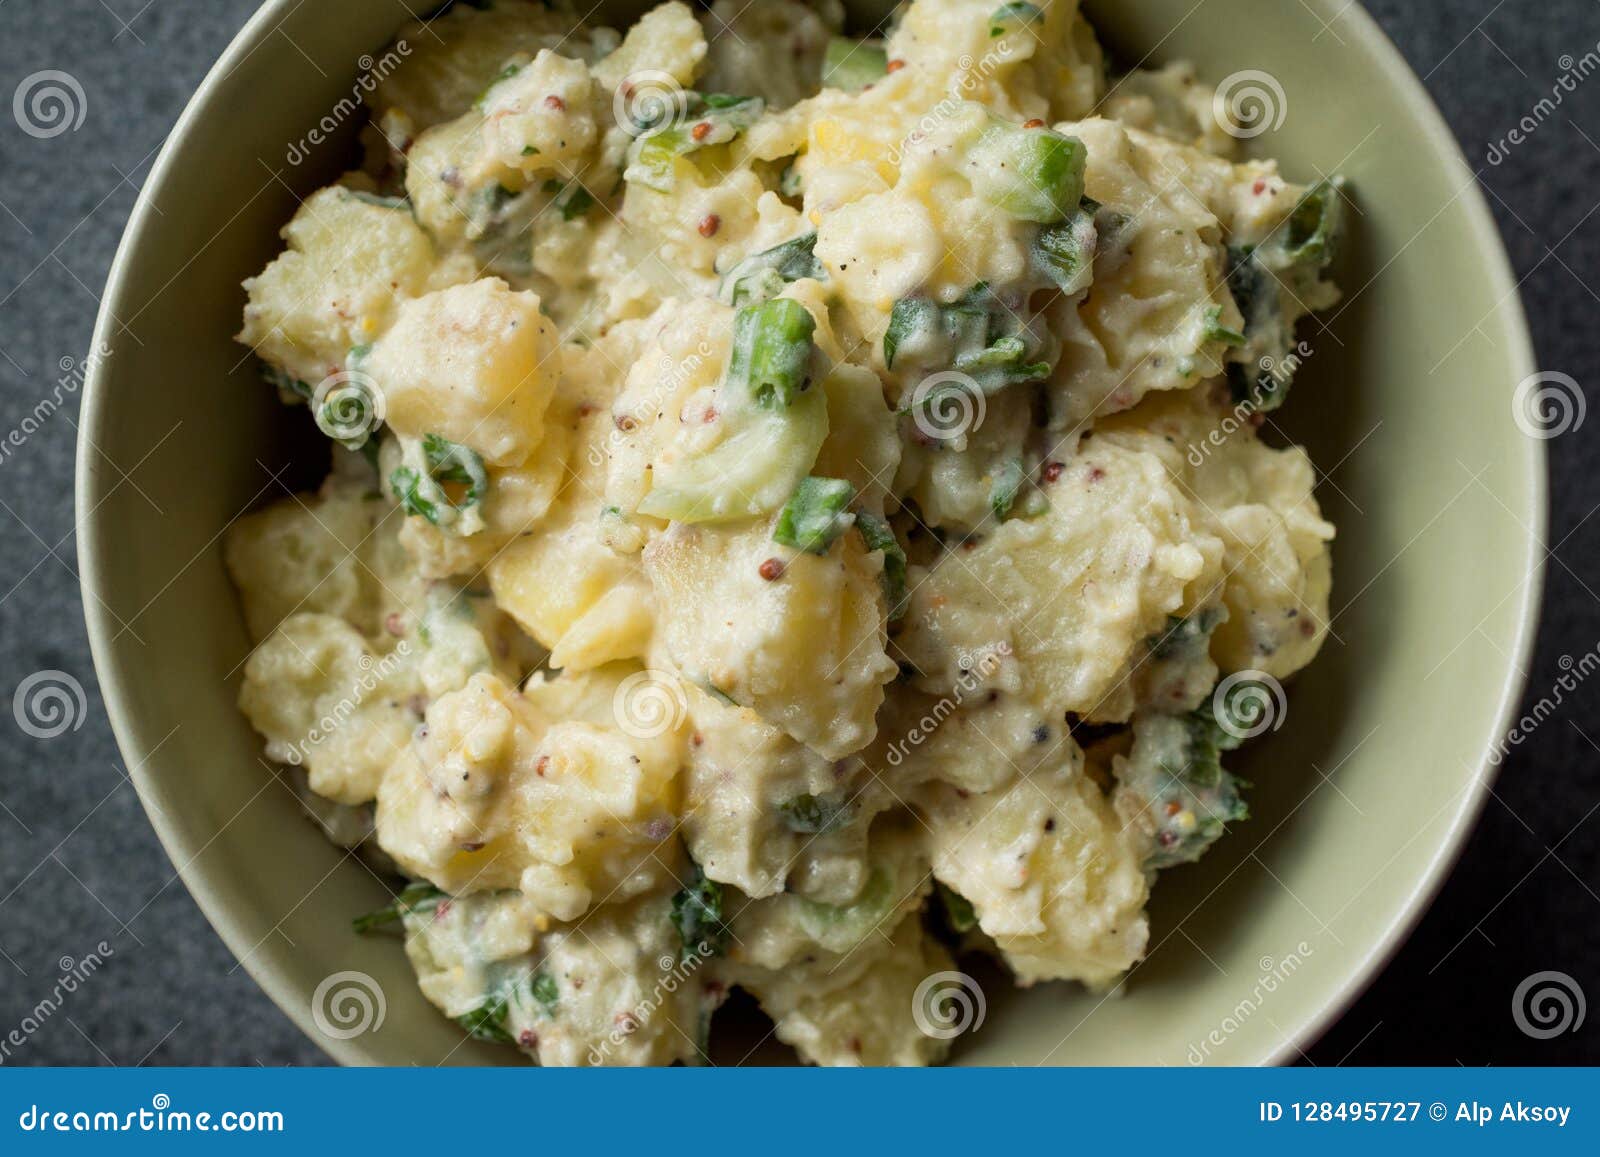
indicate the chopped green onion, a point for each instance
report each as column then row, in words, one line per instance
column 380, row 201
column 290, row 388
column 416, row 897
column 959, row 915
column 505, row 73
column 816, row 515
column 1288, row 267
column 879, row 535
column 812, row 815
column 772, row 351
column 652, row 158
column 1064, row 252
column 1315, row 224
column 697, row 915
column 1008, row 479
column 487, row 1022
column 571, row 198
column 1215, row 331
column 545, row 990
column 977, row 335
column 762, row 276
column 1013, row 15
column 422, row 493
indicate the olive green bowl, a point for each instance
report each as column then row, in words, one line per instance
column 1362, row 798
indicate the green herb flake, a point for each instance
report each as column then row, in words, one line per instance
column 1065, row 252
column 447, row 462
column 546, row 991
column 697, row 915
column 813, row 815
column 379, row 200
column 959, row 915
column 1215, row 331
column 762, row 276
column 1008, row 479
column 415, row 898
column 487, row 1022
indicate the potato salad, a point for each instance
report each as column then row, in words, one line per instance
column 804, row 511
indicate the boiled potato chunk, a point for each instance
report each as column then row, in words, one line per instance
column 568, row 585
column 1068, row 598
column 859, row 1008
column 325, row 701
column 499, row 792
column 608, row 990
column 474, row 364
column 804, row 650
column 1047, row 867
column 1259, row 501
column 334, row 552
column 349, row 264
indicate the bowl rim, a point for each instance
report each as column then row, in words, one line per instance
column 90, row 490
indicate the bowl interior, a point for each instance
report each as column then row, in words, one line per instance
column 1360, row 798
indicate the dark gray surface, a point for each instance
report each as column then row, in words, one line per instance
column 80, row 865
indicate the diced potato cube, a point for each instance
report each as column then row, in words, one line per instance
column 475, row 364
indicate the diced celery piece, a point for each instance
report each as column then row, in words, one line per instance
column 751, row 472
column 1034, row 174
column 851, row 65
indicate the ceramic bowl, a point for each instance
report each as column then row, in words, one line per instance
column 1362, row 798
